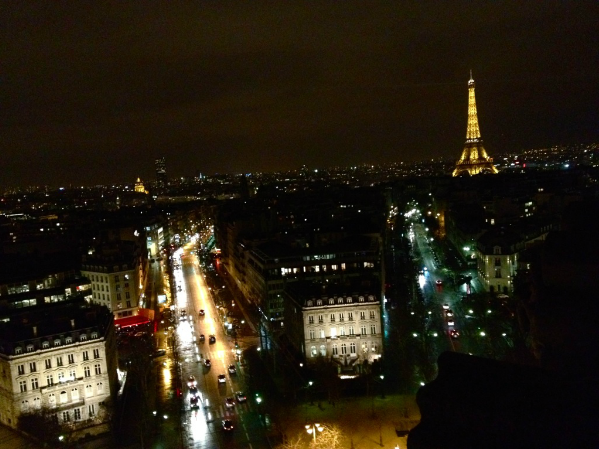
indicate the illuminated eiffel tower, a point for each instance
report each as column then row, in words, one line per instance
column 474, row 159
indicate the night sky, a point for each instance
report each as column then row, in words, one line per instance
column 92, row 92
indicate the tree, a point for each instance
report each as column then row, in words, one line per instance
column 330, row 437
column 42, row 424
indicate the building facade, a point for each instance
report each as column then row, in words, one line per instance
column 62, row 358
column 344, row 329
column 116, row 274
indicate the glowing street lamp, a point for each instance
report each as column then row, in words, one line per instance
column 312, row 428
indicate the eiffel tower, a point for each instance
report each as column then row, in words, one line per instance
column 474, row 159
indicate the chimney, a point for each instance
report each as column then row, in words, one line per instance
column 35, row 331
column 73, row 323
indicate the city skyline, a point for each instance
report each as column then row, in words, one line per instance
column 94, row 95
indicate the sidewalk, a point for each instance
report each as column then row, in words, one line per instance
column 365, row 422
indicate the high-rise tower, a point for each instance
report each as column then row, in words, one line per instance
column 474, row 159
column 161, row 172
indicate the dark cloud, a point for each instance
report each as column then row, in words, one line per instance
column 92, row 92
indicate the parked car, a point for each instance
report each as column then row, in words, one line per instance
column 202, row 313
column 240, row 396
column 212, row 339
column 191, row 382
column 229, row 403
column 202, row 337
column 207, row 363
column 222, row 379
column 232, row 369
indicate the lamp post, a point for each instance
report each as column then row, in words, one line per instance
column 382, row 376
column 312, row 428
column 310, row 389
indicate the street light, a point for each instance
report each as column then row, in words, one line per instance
column 312, row 428
column 382, row 376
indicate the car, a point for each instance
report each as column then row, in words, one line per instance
column 449, row 312
column 450, row 322
column 229, row 403
column 202, row 313
column 439, row 282
column 202, row 337
column 160, row 353
column 194, row 402
column 191, row 382
column 212, row 339
column 227, row 425
column 232, row 369
column 207, row 363
column 445, row 306
column 222, row 378
column 240, row 396
column 193, row 391
column 454, row 334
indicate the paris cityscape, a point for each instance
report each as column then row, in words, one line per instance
column 201, row 256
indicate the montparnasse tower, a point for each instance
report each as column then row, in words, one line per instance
column 474, row 159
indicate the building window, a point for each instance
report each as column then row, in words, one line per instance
column 311, row 319
column 342, row 330
column 311, row 334
column 77, row 414
column 343, row 348
column 313, row 352
column 65, row 417
column 59, row 361
column 497, row 262
column 82, row 337
column 352, row 348
column 61, row 376
column 341, row 317
column 323, row 350
column 350, row 316
column 63, row 397
column 331, row 301
column 85, row 355
column 71, row 358
column 310, row 303
column 322, row 333
column 30, row 348
column 361, row 299
column 23, row 386
column 97, row 368
column 332, row 317
column 362, row 315
column 319, row 302
column 335, row 349
column 37, row 403
column 96, row 353
column 373, row 329
column 372, row 315
column 45, row 344
column 92, row 410
column 34, row 384
column 374, row 348
column 56, row 342
column 118, row 296
column 128, row 304
column 75, row 394
column 21, row 369
column 320, row 319
column 52, row 400
column 351, row 330
column 89, row 391
column 72, row 374
column 349, row 300
column 25, row 405
column 127, row 295
column 49, row 380
column 18, row 350
column 94, row 335
column 498, row 273
column 86, row 371
column 363, row 330
column 69, row 340
column 48, row 363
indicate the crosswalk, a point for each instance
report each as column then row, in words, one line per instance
column 216, row 412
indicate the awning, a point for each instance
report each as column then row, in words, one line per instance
column 134, row 320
